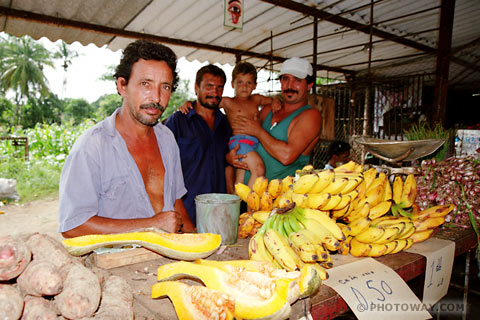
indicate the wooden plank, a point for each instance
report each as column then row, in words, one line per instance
column 123, row 258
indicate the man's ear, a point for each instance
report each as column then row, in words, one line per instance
column 121, row 85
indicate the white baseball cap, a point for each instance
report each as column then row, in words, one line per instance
column 297, row 67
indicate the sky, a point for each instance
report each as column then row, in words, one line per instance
column 84, row 72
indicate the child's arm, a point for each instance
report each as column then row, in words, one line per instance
column 185, row 108
column 275, row 102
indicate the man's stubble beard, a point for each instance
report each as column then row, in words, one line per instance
column 211, row 106
column 147, row 120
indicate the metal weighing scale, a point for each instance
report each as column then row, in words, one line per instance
column 395, row 152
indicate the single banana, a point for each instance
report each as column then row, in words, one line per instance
column 409, row 244
column 253, row 201
column 430, row 223
column 387, row 193
column 380, row 209
column 345, row 246
column 327, row 264
column 346, row 199
column 362, row 189
column 285, row 198
column 359, row 225
column 349, row 166
column 275, row 187
column 357, row 213
column 379, row 180
column 345, row 229
column 320, row 270
column 352, row 184
column 390, row 247
column 369, row 175
column 260, row 185
column 307, row 167
column 400, row 245
column 305, row 183
column 421, row 236
column 325, row 177
column 358, row 167
column 372, row 196
column 388, row 221
column 331, row 243
column 266, row 202
column 327, row 222
column 261, row 216
column 242, row 190
column 401, row 225
column 359, row 249
column 432, row 212
column 332, row 203
column 397, row 189
column 336, row 186
column 338, row 214
column 377, row 250
column 408, row 231
column 409, row 192
column 370, row 235
column 281, row 251
column 301, row 200
column 317, row 200
column 287, row 183
column 389, row 235
column 257, row 250
column 322, row 254
column 305, row 250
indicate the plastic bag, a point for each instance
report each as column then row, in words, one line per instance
column 8, row 189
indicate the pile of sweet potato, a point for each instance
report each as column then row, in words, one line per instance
column 39, row 279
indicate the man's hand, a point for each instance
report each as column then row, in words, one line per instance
column 170, row 221
column 185, row 108
column 277, row 105
column 234, row 159
column 242, row 125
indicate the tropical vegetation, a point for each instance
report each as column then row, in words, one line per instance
column 29, row 109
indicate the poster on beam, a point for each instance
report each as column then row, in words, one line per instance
column 233, row 14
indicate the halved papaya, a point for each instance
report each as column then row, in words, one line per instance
column 182, row 246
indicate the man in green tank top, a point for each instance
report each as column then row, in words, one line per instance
column 288, row 136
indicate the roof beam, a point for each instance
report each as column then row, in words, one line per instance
column 67, row 23
column 323, row 15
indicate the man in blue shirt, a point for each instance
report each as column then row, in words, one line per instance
column 202, row 136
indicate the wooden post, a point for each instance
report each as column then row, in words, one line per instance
column 447, row 11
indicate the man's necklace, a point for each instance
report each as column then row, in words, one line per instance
column 273, row 125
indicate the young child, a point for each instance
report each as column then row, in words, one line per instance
column 245, row 104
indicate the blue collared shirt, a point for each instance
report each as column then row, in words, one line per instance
column 202, row 152
column 100, row 177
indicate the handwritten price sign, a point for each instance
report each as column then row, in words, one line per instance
column 440, row 254
column 374, row 291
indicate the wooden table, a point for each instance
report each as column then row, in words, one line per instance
column 326, row 304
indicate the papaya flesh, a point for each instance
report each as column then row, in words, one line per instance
column 195, row 302
column 182, row 246
column 256, row 295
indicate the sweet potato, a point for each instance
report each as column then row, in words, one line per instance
column 117, row 300
column 37, row 308
column 11, row 302
column 81, row 292
column 47, row 248
column 14, row 257
column 40, row 278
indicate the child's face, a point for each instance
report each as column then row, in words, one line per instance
column 243, row 85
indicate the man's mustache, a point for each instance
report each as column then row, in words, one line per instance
column 290, row 91
column 213, row 97
column 157, row 106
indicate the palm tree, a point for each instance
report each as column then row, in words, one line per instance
column 23, row 62
column 63, row 52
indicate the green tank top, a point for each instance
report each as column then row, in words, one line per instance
column 274, row 169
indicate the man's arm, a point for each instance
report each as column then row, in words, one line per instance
column 169, row 221
column 187, row 224
column 302, row 133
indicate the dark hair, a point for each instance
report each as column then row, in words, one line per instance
column 210, row 69
column 146, row 50
column 337, row 148
column 244, row 68
column 310, row 79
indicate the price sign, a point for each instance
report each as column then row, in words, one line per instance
column 440, row 254
column 374, row 291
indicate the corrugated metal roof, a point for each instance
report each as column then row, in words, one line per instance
column 194, row 29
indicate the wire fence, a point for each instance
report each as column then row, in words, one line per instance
column 379, row 108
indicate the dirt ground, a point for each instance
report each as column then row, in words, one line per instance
column 36, row 216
